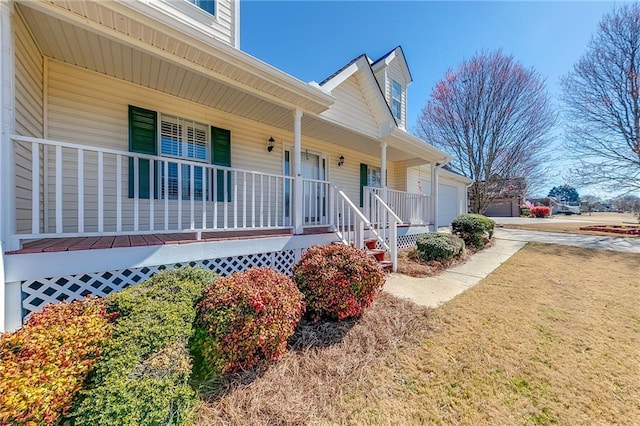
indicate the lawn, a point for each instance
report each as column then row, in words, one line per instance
column 537, row 342
column 552, row 336
column 571, row 224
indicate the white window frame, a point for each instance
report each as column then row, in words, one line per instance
column 183, row 124
column 215, row 7
column 371, row 171
column 398, row 100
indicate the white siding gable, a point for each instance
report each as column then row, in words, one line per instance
column 351, row 108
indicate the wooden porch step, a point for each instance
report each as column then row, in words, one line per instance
column 377, row 254
column 371, row 243
column 386, row 265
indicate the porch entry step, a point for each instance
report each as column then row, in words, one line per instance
column 386, row 265
column 377, row 254
column 371, row 243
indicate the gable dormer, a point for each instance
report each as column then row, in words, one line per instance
column 393, row 75
column 219, row 18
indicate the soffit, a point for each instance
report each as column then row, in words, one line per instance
column 106, row 37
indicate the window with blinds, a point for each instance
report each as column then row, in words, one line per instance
column 186, row 140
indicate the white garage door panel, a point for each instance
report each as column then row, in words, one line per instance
column 447, row 204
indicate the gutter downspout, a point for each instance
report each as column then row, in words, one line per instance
column 466, row 188
column 434, row 192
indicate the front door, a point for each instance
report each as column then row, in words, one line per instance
column 313, row 167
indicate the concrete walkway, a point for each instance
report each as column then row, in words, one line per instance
column 434, row 291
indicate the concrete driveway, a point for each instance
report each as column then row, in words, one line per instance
column 627, row 245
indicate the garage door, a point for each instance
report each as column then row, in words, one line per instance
column 447, row 204
column 499, row 209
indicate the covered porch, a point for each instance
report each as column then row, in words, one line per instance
column 74, row 177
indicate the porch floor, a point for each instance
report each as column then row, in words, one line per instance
column 105, row 242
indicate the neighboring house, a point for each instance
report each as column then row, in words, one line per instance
column 507, row 196
column 137, row 136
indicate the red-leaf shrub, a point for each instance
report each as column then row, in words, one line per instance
column 540, row 211
column 338, row 281
column 44, row 364
column 244, row 318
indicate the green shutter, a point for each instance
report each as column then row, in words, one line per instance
column 364, row 180
column 221, row 156
column 143, row 139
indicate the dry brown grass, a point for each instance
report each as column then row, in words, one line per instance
column 325, row 361
column 551, row 337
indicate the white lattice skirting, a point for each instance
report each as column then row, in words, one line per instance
column 404, row 241
column 38, row 293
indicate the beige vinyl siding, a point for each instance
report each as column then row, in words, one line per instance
column 28, row 116
column 351, row 108
column 379, row 75
column 226, row 19
column 420, row 174
column 394, row 72
column 89, row 108
column 398, row 176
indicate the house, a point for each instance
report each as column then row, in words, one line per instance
column 138, row 136
column 507, row 195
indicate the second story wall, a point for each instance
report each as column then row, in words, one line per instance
column 220, row 18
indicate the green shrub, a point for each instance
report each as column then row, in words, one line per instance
column 44, row 364
column 245, row 318
column 474, row 229
column 143, row 375
column 338, row 281
column 433, row 246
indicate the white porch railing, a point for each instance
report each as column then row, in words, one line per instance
column 315, row 202
column 324, row 204
column 384, row 222
column 410, row 208
column 81, row 190
column 350, row 223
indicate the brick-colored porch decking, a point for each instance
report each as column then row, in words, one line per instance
column 106, row 242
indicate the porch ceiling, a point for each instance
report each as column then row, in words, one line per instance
column 116, row 45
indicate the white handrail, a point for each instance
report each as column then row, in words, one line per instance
column 91, row 196
column 29, row 139
column 384, row 223
column 349, row 221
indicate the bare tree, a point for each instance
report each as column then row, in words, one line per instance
column 602, row 104
column 494, row 117
column 590, row 203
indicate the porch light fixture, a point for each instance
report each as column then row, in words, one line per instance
column 271, row 144
column 341, row 161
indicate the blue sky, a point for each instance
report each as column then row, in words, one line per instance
column 312, row 39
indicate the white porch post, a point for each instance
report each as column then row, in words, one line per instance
column 7, row 175
column 434, row 194
column 298, row 199
column 383, row 170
